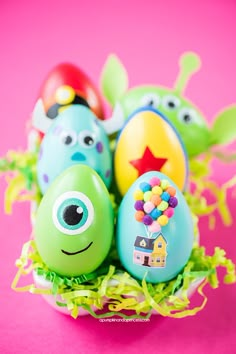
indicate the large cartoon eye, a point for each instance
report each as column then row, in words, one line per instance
column 72, row 213
column 87, row 138
column 187, row 115
column 68, row 138
column 170, row 102
column 151, row 99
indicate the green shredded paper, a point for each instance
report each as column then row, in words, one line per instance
column 110, row 290
column 19, row 169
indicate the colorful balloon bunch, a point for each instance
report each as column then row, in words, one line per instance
column 155, row 203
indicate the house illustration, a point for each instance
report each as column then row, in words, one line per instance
column 150, row 252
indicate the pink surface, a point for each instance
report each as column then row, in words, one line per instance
column 148, row 36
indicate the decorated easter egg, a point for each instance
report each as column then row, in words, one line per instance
column 71, row 141
column 67, row 84
column 149, row 142
column 74, row 222
column 154, row 229
column 183, row 114
column 64, row 86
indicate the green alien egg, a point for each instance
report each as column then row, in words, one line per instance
column 74, row 222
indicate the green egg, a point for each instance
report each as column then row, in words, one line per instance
column 74, row 222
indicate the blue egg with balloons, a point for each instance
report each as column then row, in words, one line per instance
column 155, row 230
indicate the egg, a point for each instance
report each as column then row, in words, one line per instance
column 67, row 84
column 71, row 141
column 149, row 142
column 74, row 222
column 154, row 229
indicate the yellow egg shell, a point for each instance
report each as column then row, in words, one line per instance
column 149, row 142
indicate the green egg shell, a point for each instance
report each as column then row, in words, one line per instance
column 74, row 222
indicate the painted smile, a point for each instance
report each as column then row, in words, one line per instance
column 73, row 253
column 78, row 156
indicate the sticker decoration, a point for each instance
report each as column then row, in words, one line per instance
column 150, row 252
column 154, row 204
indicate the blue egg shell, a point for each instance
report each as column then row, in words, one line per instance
column 76, row 137
column 157, row 256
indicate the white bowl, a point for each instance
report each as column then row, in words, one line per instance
column 52, row 300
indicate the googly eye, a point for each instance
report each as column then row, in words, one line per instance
column 150, row 99
column 170, row 102
column 72, row 213
column 187, row 115
column 87, row 139
column 68, row 138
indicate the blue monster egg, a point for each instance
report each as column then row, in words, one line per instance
column 154, row 229
column 76, row 137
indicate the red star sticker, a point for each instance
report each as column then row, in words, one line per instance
column 148, row 162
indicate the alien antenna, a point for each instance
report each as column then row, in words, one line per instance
column 189, row 64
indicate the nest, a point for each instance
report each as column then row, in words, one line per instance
column 110, row 290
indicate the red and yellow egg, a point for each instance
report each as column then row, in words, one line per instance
column 149, row 142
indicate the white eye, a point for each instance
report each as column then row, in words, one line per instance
column 87, row 139
column 68, row 138
column 170, row 102
column 188, row 115
column 72, row 213
column 151, row 99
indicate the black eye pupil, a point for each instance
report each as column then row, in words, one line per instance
column 88, row 140
column 72, row 214
column 151, row 103
column 67, row 140
column 171, row 104
column 187, row 118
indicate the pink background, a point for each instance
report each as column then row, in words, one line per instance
column 148, row 36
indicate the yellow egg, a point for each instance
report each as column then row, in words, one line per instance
column 149, row 142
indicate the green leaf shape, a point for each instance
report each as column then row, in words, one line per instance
column 113, row 79
column 224, row 128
